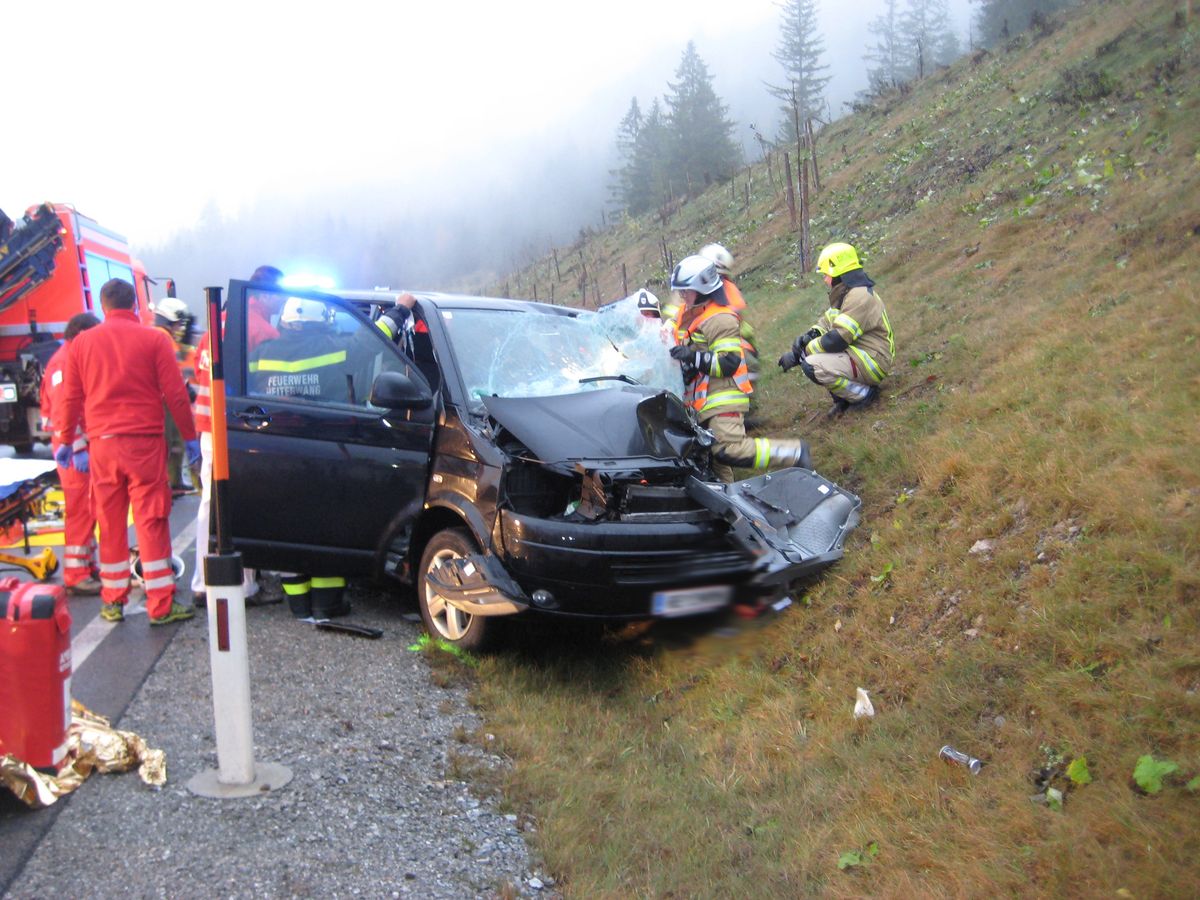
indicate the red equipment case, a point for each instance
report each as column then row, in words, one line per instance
column 35, row 672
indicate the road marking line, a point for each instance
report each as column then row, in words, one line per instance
column 97, row 630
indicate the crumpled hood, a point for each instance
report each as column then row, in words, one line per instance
column 614, row 423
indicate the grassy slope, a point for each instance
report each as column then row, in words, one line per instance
column 1038, row 258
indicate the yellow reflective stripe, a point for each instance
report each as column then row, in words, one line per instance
column 849, row 324
column 725, row 345
column 334, row 582
column 385, row 325
column 296, row 588
column 762, row 452
column 814, row 346
column 839, row 383
column 891, row 337
column 725, row 398
column 869, row 364
column 298, row 365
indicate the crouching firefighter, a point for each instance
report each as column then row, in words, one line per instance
column 310, row 359
column 851, row 348
column 716, row 380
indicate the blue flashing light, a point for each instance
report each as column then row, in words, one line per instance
column 309, row 280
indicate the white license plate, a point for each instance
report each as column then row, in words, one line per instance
column 690, row 601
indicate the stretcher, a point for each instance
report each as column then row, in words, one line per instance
column 24, row 486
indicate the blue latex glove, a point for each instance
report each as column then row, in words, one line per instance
column 62, row 455
column 80, row 461
column 192, row 449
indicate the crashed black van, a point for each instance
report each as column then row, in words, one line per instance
column 507, row 458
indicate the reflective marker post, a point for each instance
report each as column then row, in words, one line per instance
column 237, row 774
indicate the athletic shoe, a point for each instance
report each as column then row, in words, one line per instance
column 177, row 613
column 89, row 587
column 112, row 612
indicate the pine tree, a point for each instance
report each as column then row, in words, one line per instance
column 648, row 182
column 702, row 146
column 627, row 135
column 885, row 73
column 799, row 52
column 925, row 35
column 998, row 20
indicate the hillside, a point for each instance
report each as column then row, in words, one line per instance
column 1024, row 585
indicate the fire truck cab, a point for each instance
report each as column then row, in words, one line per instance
column 51, row 267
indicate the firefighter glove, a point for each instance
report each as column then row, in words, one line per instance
column 62, row 455
column 788, row 360
column 80, row 461
column 192, row 448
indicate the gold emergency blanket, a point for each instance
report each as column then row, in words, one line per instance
column 93, row 745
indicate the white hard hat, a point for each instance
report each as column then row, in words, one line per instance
column 300, row 311
column 647, row 302
column 721, row 257
column 171, row 308
column 695, row 273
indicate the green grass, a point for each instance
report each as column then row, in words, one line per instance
column 1036, row 246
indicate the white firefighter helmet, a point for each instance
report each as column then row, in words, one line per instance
column 695, row 273
column 300, row 311
column 721, row 257
column 135, row 567
column 647, row 304
column 172, row 309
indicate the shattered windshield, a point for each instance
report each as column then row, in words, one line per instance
column 528, row 353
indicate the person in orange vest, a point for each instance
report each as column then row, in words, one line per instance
column 716, row 381
column 723, row 260
column 172, row 316
column 118, row 377
column 79, row 518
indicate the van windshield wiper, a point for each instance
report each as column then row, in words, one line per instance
column 622, row 377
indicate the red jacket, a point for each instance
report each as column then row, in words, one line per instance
column 202, row 379
column 119, row 374
column 52, row 382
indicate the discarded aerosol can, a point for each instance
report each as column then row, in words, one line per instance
column 949, row 754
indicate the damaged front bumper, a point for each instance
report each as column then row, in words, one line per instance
column 757, row 535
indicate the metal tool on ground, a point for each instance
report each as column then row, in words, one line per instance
column 40, row 567
column 949, row 754
column 345, row 627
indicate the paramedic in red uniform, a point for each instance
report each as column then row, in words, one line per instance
column 79, row 519
column 118, row 377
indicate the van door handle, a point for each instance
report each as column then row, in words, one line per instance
column 254, row 415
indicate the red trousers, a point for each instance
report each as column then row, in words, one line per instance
column 79, row 526
column 132, row 469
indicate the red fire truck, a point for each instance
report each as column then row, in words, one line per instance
column 52, row 266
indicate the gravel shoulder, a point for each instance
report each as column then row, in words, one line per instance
column 374, row 807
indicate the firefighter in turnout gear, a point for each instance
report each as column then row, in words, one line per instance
column 716, row 380
column 723, row 260
column 852, row 347
column 310, row 359
column 79, row 516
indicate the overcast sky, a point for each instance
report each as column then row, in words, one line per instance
column 142, row 114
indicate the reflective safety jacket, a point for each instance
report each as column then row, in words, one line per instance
column 738, row 304
column 202, row 381
column 726, row 386
column 856, row 312
column 52, row 381
column 320, row 364
column 118, row 376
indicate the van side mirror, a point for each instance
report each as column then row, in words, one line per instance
column 395, row 390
